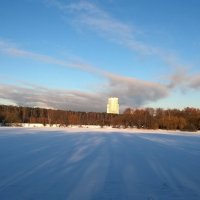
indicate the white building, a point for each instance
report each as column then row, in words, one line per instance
column 113, row 105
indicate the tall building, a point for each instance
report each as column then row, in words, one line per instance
column 113, row 105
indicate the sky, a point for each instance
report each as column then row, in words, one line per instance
column 74, row 54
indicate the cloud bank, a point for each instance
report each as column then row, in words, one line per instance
column 132, row 92
column 88, row 16
column 51, row 98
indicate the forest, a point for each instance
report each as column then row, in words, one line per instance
column 187, row 119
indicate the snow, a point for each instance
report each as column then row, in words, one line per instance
column 98, row 164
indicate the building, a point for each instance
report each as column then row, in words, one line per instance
column 113, row 105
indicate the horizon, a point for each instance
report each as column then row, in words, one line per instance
column 74, row 55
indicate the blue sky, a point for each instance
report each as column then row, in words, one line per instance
column 73, row 55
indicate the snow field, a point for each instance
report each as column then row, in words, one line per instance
column 98, row 164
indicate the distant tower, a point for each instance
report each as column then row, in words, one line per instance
column 113, row 105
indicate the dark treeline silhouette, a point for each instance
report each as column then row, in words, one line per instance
column 14, row 114
column 187, row 119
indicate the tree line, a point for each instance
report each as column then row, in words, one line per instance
column 187, row 119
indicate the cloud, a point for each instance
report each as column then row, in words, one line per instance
column 195, row 82
column 131, row 91
column 88, row 15
column 52, row 98
column 178, row 78
column 134, row 92
column 182, row 78
column 11, row 49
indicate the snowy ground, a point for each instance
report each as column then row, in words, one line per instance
column 98, row 164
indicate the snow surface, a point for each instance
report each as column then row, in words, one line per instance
column 98, row 164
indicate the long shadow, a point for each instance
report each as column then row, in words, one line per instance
column 57, row 164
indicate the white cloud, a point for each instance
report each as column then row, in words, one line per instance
column 131, row 91
column 134, row 92
column 11, row 50
column 88, row 16
column 51, row 98
column 195, row 82
column 183, row 79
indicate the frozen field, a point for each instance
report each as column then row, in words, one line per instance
column 95, row 164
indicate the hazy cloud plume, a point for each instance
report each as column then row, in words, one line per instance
column 52, row 98
column 183, row 79
column 132, row 92
column 88, row 16
column 195, row 82
column 11, row 50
